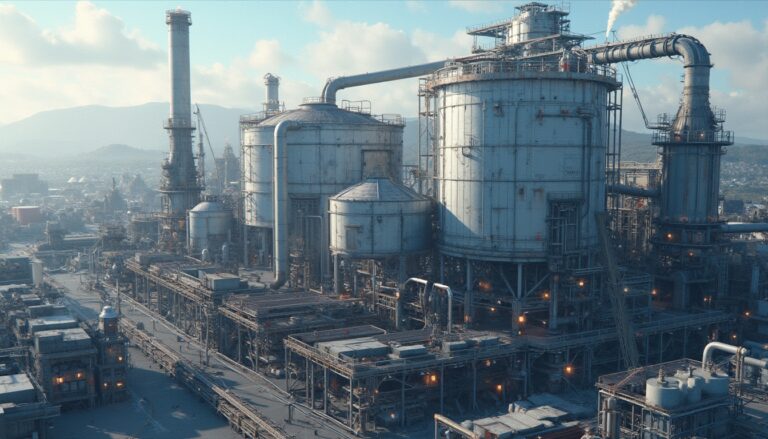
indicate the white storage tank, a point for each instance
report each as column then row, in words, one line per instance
column 210, row 223
column 379, row 218
column 520, row 158
column 334, row 149
column 665, row 393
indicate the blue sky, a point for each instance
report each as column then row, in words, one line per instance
column 118, row 49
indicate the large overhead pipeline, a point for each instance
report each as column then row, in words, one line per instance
column 695, row 113
column 335, row 84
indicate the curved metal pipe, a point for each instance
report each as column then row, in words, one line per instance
column 335, row 84
column 706, row 357
column 280, row 201
column 632, row 191
column 743, row 227
column 694, row 113
column 425, row 284
column 448, row 292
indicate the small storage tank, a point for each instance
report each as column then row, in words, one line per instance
column 664, row 392
column 379, row 218
column 209, row 227
column 715, row 383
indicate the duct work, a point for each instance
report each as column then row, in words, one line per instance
column 695, row 115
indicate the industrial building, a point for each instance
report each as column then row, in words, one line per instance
column 518, row 261
column 24, row 411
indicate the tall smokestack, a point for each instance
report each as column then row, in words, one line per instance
column 273, row 97
column 178, row 22
column 179, row 186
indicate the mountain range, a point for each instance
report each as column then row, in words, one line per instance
column 80, row 130
column 136, row 132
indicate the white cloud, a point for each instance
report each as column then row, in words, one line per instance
column 654, row 25
column 96, row 37
column 416, row 5
column 317, row 13
column 477, row 6
column 268, row 55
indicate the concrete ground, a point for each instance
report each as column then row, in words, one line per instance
column 157, row 408
column 260, row 393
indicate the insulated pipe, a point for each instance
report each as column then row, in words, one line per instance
column 694, row 113
column 448, row 291
column 717, row 346
column 743, row 227
column 632, row 191
column 335, row 84
column 280, row 201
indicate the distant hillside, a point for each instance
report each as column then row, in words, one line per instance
column 74, row 131
column 125, row 153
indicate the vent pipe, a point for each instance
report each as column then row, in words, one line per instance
column 273, row 93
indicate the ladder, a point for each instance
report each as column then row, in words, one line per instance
column 618, row 305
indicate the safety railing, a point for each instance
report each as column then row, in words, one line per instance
column 578, row 65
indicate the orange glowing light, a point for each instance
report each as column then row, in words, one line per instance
column 119, row 384
column 79, row 375
column 569, row 370
column 493, row 309
column 433, row 378
column 545, row 295
column 521, row 318
column 670, row 236
column 59, row 380
column 747, row 313
column 499, row 388
column 581, row 283
column 654, row 292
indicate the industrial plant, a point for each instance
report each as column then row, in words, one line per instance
column 520, row 280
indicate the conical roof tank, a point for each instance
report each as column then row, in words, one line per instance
column 379, row 218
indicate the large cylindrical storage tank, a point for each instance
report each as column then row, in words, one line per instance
column 333, row 150
column 520, row 158
column 330, row 150
column 210, row 224
column 379, row 218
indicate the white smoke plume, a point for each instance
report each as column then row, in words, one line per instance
column 617, row 7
